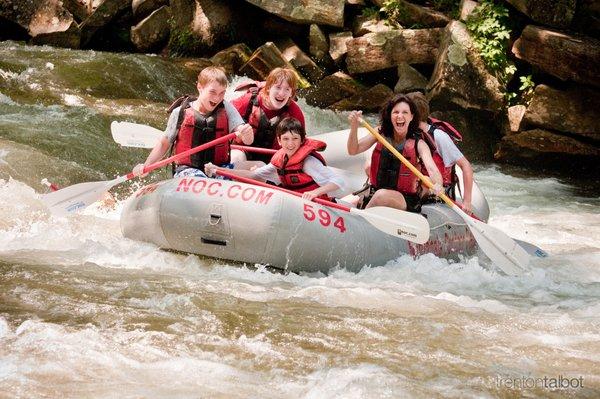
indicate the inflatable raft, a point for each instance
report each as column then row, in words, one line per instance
column 260, row 225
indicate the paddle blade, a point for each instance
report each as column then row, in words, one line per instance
column 406, row 225
column 137, row 135
column 502, row 250
column 77, row 196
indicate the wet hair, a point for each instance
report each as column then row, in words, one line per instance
column 290, row 124
column 385, row 116
column 422, row 104
column 278, row 74
column 212, row 74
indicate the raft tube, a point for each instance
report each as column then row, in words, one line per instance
column 255, row 225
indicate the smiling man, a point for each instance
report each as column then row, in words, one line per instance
column 195, row 121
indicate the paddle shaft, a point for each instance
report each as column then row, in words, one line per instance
column 258, row 150
column 166, row 161
column 262, row 184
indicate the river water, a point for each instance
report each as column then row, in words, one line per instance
column 85, row 312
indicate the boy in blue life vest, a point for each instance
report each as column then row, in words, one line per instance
column 195, row 121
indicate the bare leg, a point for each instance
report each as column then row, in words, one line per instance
column 389, row 198
column 238, row 156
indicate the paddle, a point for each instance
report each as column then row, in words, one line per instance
column 505, row 252
column 130, row 134
column 406, row 225
column 79, row 196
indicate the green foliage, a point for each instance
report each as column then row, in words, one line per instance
column 182, row 42
column 524, row 93
column 371, row 12
column 394, row 12
column 489, row 26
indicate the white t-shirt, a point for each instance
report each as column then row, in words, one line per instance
column 233, row 119
column 320, row 173
column 446, row 147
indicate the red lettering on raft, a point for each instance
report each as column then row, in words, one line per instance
column 215, row 188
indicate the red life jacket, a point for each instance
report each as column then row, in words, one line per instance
column 264, row 129
column 195, row 129
column 388, row 172
column 449, row 177
column 291, row 174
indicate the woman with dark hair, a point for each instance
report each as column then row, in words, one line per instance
column 296, row 165
column 392, row 183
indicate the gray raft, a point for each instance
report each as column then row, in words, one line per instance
column 256, row 225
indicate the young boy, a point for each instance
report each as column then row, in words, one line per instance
column 198, row 121
column 296, row 166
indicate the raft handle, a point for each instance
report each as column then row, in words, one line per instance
column 213, row 242
column 214, row 219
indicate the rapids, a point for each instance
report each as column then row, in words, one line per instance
column 85, row 312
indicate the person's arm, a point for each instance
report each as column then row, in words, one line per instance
column 244, row 132
column 434, row 174
column 354, row 145
column 265, row 172
column 328, row 180
column 467, row 172
column 159, row 150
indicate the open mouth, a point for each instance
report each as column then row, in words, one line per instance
column 213, row 104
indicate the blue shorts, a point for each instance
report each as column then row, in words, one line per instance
column 187, row 171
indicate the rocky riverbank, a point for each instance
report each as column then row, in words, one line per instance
column 537, row 105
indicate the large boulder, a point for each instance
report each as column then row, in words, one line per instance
column 411, row 14
column 319, row 46
column 264, row 60
column 565, row 56
column 369, row 100
column 546, row 149
column 409, row 79
column 574, row 111
column 153, row 31
column 587, row 18
column 142, row 8
column 331, row 89
column 80, row 9
column 47, row 19
column 295, row 56
column 106, row 12
column 555, row 13
column 460, row 76
column 338, row 46
column 232, row 58
column 364, row 24
column 382, row 50
column 200, row 25
column 325, row 12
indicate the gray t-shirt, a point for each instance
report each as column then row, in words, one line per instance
column 233, row 118
column 446, row 148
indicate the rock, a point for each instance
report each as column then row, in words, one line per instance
column 70, row 38
column 565, row 56
column 319, row 47
column 200, row 25
column 412, row 14
column 142, row 8
column 266, row 58
column 587, row 18
column 515, row 117
column 370, row 100
column 45, row 18
column 364, row 24
column 575, row 110
column 376, row 51
column 153, row 31
column 337, row 46
column 80, row 9
column 466, row 7
column 325, row 12
column 460, row 77
column 273, row 23
column 104, row 14
column 555, row 13
column 331, row 89
column 542, row 148
column 356, row 2
column 292, row 53
column 409, row 79
column 192, row 66
column 232, row 58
